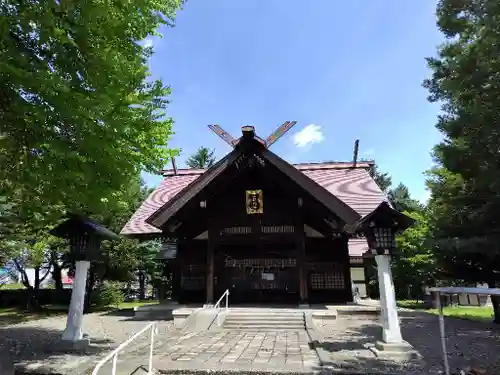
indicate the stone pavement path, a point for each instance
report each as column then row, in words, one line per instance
column 241, row 350
column 29, row 344
column 469, row 343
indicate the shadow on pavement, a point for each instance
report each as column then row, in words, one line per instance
column 469, row 343
column 31, row 343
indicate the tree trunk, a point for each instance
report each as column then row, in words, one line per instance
column 495, row 301
column 89, row 289
column 56, row 274
column 142, row 286
column 35, row 303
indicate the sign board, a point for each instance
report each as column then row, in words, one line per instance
column 254, row 202
column 168, row 250
column 267, row 276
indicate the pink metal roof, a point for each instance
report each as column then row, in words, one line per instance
column 300, row 167
column 357, row 247
column 353, row 186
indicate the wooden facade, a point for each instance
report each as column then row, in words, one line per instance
column 284, row 244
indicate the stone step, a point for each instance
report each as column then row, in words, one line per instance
column 269, row 328
column 262, row 317
column 263, row 322
column 247, row 313
column 263, row 328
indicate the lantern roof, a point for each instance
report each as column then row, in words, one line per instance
column 78, row 225
column 385, row 216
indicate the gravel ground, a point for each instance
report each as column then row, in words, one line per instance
column 33, row 340
column 470, row 343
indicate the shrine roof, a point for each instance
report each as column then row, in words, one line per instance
column 351, row 184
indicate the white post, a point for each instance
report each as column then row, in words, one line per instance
column 73, row 331
column 442, row 334
column 391, row 331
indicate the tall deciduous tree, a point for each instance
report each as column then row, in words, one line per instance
column 465, row 188
column 79, row 114
column 202, row 158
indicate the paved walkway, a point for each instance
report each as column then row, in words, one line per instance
column 470, row 343
column 239, row 350
column 30, row 343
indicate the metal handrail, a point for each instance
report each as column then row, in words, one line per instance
column 114, row 353
column 217, row 304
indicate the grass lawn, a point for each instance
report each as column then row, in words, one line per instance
column 13, row 315
column 12, row 286
column 480, row 313
column 132, row 304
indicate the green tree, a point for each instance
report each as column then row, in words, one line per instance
column 414, row 265
column 402, row 201
column 79, row 113
column 7, row 229
column 202, row 158
column 383, row 180
column 120, row 259
column 464, row 185
column 31, row 244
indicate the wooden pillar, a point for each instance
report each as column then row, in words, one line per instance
column 210, row 273
column 301, row 257
column 210, row 268
column 346, row 259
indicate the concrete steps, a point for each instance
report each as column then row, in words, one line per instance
column 267, row 320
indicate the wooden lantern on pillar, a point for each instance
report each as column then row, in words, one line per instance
column 85, row 238
column 84, row 235
column 380, row 228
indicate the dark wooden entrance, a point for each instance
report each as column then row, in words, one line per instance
column 264, row 274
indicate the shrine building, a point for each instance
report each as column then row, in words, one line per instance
column 267, row 230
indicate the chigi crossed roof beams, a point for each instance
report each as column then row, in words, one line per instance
column 268, row 142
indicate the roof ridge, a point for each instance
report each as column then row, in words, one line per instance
column 301, row 166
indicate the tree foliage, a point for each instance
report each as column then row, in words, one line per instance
column 79, row 114
column 120, row 259
column 414, row 265
column 383, row 180
column 202, row 158
column 465, row 189
column 402, row 201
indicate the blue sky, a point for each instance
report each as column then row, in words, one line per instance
column 344, row 70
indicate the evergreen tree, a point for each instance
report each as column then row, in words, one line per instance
column 465, row 188
column 202, row 158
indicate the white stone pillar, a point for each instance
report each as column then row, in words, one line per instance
column 391, row 331
column 73, row 331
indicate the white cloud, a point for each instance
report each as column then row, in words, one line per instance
column 308, row 136
column 148, row 43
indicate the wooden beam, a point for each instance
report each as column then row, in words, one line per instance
column 226, row 137
column 278, row 133
column 355, row 156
